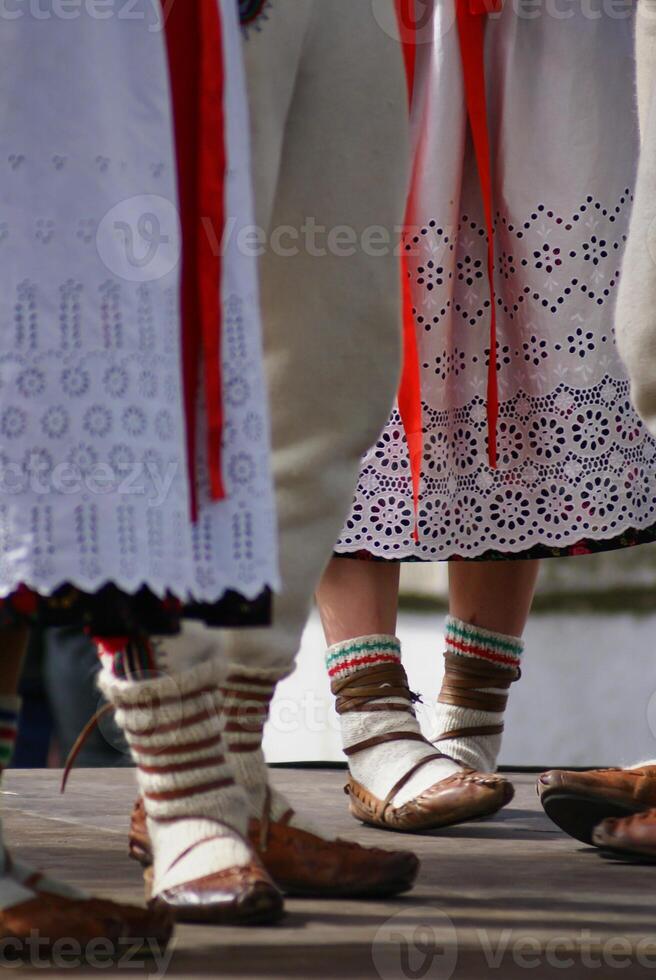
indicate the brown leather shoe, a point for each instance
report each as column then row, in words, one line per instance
column 578, row 801
column 153, row 927
column 237, row 896
column 301, row 863
column 467, row 795
column 51, row 918
column 633, row 836
column 241, row 896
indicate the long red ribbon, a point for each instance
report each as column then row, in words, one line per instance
column 195, row 47
column 409, row 395
column 212, row 164
column 471, row 16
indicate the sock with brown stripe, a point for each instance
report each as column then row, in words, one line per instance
column 381, row 736
column 196, row 812
column 480, row 666
column 247, row 694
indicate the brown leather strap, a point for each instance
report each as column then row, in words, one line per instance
column 408, row 776
column 359, row 692
column 267, row 818
column 370, row 743
column 80, row 740
column 470, row 732
column 465, row 679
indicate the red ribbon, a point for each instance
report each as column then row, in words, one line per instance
column 471, row 29
column 471, row 16
column 212, row 165
column 409, row 395
column 195, row 46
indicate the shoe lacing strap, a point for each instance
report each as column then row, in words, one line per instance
column 361, row 691
column 266, row 819
column 78, row 745
column 407, row 777
column 204, row 840
column 464, row 684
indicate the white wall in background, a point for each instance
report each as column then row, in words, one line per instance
column 587, row 695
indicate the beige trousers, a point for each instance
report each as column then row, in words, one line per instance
column 330, row 144
column 636, row 301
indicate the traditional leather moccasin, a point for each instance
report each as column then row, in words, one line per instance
column 630, row 836
column 153, row 927
column 577, row 802
column 51, row 918
column 240, row 896
column 467, row 795
column 54, row 916
column 303, row 864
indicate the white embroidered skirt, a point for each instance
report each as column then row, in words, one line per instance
column 576, row 468
column 93, row 475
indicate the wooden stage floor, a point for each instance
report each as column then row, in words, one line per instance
column 506, row 897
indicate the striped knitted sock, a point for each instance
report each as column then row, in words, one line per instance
column 472, row 645
column 196, row 814
column 247, row 694
column 380, row 767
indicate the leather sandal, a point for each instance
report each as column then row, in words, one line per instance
column 303, row 864
column 578, row 801
column 467, row 795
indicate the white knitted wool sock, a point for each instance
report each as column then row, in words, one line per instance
column 196, row 814
column 247, row 694
column 468, row 645
column 380, row 767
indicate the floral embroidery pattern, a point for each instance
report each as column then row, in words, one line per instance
column 575, row 463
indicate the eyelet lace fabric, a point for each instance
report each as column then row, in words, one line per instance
column 93, row 473
column 575, row 462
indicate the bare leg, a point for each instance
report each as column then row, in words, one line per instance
column 494, row 595
column 358, row 598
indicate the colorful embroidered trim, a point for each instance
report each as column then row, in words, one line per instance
column 471, row 641
column 344, row 658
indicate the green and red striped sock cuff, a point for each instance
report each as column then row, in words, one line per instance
column 346, row 658
column 472, row 641
column 9, row 710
